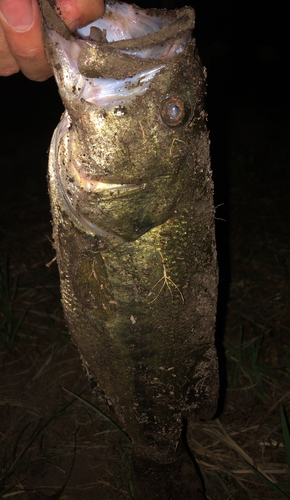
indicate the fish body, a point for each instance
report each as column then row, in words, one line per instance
column 133, row 218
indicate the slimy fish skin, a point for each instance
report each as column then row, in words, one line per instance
column 133, row 218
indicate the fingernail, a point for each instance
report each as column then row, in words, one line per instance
column 74, row 26
column 17, row 13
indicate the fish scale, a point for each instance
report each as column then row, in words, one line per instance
column 134, row 237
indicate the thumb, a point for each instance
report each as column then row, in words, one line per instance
column 78, row 13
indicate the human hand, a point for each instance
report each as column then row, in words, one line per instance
column 21, row 46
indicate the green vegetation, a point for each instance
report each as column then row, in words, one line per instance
column 10, row 322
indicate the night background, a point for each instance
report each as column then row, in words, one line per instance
column 73, row 453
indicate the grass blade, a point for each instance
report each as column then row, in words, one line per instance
column 103, row 415
column 17, row 462
column 269, row 483
column 286, row 435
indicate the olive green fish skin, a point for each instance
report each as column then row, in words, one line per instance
column 140, row 297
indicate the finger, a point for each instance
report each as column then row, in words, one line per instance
column 21, row 42
column 21, row 23
column 77, row 13
column 8, row 64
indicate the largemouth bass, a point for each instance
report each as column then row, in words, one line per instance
column 133, row 223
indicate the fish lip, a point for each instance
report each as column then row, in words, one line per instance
column 111, row 186
column 116, row 187
column 97, row 185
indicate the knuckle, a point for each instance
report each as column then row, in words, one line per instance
column 43, row 77
column 38, row 73
column 31, row 56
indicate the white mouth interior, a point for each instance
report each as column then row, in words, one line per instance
column 105, row 93
column 121, row 21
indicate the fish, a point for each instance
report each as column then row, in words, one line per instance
column 131, row 193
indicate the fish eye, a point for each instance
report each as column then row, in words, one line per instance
column 175, row 111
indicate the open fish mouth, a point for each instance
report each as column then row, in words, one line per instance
column 85, row 57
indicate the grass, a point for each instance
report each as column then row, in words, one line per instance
column 10, row 322
column 245, row 361
column 123, row 471
column 278, row 487
column 17, row 460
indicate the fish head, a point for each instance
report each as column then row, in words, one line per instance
column 131, row 85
